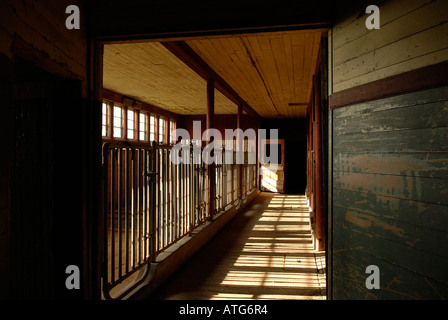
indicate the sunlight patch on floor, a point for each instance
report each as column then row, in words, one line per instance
column 277, row 261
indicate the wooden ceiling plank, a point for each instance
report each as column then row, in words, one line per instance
column 268, row 71
column 252, row 79
column 278, row 54
column 134, row 64
column 194, row 61
column 308, row 70
column 257, row 54
column 291, row 72
column 241, row 72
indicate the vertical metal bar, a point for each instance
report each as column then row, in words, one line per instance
column 152, row 203
column 236, row 171
column 164, row 197
column 119, row 173
column 156, row 195
column 224, row 186
column 160, row 202
column 106, row 211
column 148, row 204
column 133, row 209
column 171, row 198
column 174, row 199
column 126, row 208
column 217, row 183
column 220, row 182
column 232, row 186
column 195, row 193
column 144, row 207
column 207, row 197
column 168, row 199
column 139, row 177
column 149, row 178
column 190, row 189
column 183, row 191
column 187, row 194
column 159, row 210
column 165, row 215
column 112, row 209
column 180, row 207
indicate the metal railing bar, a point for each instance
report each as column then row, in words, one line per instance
column 151, row 203
column 119, row 151
column 112, row 213
column 126, row 208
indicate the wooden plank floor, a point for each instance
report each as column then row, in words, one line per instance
column 265, row 252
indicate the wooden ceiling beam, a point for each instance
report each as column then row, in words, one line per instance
column 187, row 55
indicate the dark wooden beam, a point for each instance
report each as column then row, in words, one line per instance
column 415, row 80
column 187, row 55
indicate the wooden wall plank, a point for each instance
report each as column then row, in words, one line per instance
column 397, row 281
column 352, row 27
column 415, row 21
column 402, row 141
column 422, row 214
column 427, row 165
column 417, row 45
column 389, row 198
column 433, row 115
column 432, row 190
column 396, row 101
column 413, row 34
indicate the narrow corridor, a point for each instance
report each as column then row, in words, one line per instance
column 265, row 252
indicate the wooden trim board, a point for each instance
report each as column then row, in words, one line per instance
column 428, row 77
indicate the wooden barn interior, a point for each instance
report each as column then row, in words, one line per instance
column 330, row 150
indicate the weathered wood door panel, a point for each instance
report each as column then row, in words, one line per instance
column 390, row 196
column 46, row 230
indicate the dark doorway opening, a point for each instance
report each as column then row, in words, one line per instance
column 293, row 131
column 46, row 230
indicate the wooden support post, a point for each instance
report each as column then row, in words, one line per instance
column 92, row 209
column 167, row 131
column 239, row 148
column 257, row 155
column 310, row 148
column 320, row 228
column 210, row 125
column 311, row 157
